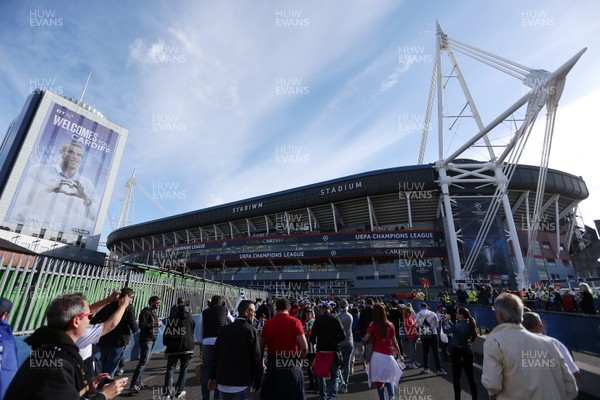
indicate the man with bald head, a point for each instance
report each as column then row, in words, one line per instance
column 518, row 364
column 533, row 323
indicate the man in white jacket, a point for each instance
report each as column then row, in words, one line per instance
column 533, row 323
column 518, row 364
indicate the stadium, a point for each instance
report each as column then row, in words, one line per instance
column 475, row 215
column 370, row 233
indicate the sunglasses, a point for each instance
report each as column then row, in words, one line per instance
column 87, row 314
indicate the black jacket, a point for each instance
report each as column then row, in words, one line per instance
column 118, row 337
column 395, row 317
column 239, row 361
column 179, row 333
column 213, row 319
column 148, row 324
column 365, row 319
column 327, row 332
column 54, row 370
column 587, row 303
column 462, row 296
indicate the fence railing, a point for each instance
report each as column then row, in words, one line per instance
column 32, row 282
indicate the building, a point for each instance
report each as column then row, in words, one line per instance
column 369, row 233
column 59, row 161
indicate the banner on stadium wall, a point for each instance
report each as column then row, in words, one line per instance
column 401, row 253
column 493, row 259
column 430, row 236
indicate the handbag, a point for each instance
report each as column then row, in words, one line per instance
column 443, row 337
column 323, row 362
column 368, row 350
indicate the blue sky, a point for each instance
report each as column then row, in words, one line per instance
column 226, row 100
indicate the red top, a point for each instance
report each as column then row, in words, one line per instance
column 410, row 328
column 383, row 346
column 568, row 302
column 280, row 333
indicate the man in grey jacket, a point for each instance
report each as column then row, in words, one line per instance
column 346, row 346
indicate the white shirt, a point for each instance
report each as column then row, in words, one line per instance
column 565, row 353
column 91, row 336
column 230, row 389
column 430, row 317
column 60, row 211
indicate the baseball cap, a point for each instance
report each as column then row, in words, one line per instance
column 343, row 303
column 5, row 305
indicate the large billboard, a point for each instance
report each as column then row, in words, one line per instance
column 65, row 178
column 493, row 258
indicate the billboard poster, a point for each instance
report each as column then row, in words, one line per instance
column 66, row 175
column 493, row 258
column 421, row 270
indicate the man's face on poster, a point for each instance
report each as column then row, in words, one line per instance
column 71, row 155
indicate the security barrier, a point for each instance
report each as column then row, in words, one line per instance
column 578, row 332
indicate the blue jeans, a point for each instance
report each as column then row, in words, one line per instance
column 110, row 358
column 390, row 389
column 243, row 395
column 184, row 360
column 412, row 347
column 346, row 360
column 333, row 386
column 208, row 360
column 146, row 347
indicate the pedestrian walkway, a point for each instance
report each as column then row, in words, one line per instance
column 413, row 385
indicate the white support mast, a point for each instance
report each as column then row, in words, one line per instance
column 498, row 166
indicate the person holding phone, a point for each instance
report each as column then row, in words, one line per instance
column 112, row 345
column 54, row 369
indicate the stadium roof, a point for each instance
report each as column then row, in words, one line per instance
column 349, row 193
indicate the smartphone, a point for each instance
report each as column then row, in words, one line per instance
column 104, row 382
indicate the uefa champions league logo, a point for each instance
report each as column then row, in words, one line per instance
column 478, row 210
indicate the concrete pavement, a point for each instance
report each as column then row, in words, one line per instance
column 413, row 385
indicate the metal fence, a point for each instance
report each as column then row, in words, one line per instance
column 32, row 282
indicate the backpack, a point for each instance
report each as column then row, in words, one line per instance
column 425, row 330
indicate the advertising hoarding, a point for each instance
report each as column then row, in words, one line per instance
column 493, row 258
column 66, row 174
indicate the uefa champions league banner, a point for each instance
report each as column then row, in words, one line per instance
column 66, row 175
column 493, row 259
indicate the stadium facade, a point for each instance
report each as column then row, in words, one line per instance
column 371, row 233
column 58, row 165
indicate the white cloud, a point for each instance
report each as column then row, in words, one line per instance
column 212, row 66
column 574, row 148
column 392, row 79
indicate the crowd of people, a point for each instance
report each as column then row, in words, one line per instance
column 322, row 338
column 539, row 298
